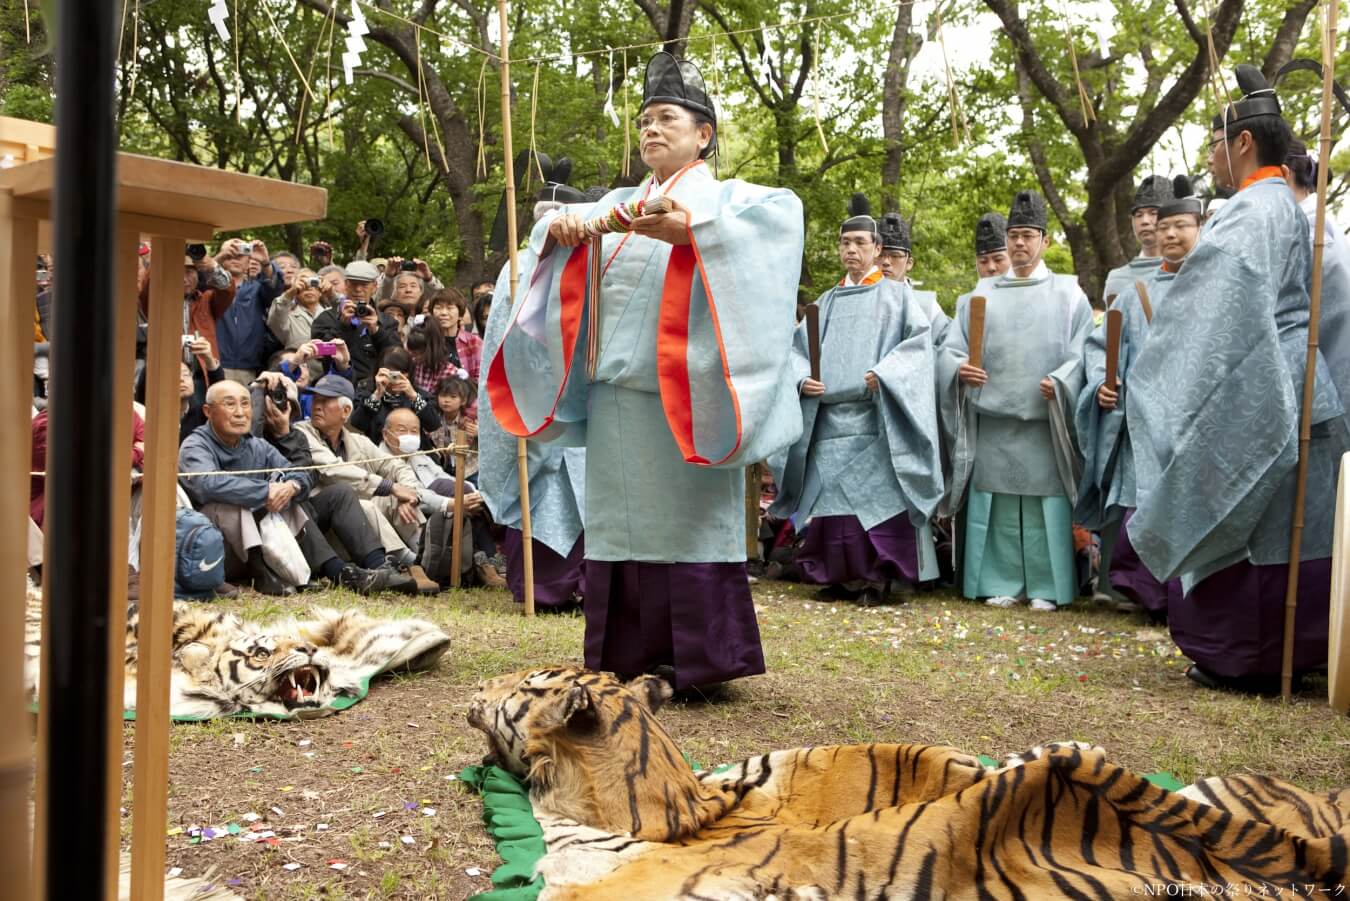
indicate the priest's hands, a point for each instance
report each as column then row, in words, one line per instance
column 569, row 230
column 872, row 384
column 972, row 375
column 1106, row 398
column 671, row 227
column 1047, row 389
column 812, row 388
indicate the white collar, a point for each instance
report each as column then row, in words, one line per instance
column 1038, row 273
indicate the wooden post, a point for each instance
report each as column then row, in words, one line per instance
column 1310, row 365
column 18, row 250
column 513, row 248
column 158, row 505
column 457, row 439
column 976, row 343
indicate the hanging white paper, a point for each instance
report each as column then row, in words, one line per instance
column 356, row 29
column 218, row 13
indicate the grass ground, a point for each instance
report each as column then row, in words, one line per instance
column 365, row 804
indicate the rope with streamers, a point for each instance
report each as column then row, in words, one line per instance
column 815, row 98
column 27, row 31
column 534, row 153
column 1084, row 99
column 300, row 119
column 238, row 79
column 722, row 127
column 281, row 38
column 952, row 94
column 328, row 74
column 135, row 49
column 1217, row 84
column 421, row 96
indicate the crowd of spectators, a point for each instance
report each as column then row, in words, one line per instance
column 319, row 400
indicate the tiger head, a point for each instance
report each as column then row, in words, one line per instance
column 256, row 669
column 593, row 750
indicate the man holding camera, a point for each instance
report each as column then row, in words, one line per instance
column 208, row 292
column 409, row 282
column 242, row 330
column 357, row 322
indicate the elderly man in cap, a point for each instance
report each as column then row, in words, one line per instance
column 235, row 503
column 389, row 489
column 1014, row 459
column 355, row 320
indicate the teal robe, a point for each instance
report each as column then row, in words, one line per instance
column 865, row 454
column 1108, row 486
column 557, row 474
column 692, row 378
column 1215, row 397
column 1122, row 278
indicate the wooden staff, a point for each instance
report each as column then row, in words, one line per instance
column 976, row 358
column 1143, row 302
column 457, row 529
column 513, row 248
column 1310, row 366
column 1114, row 321
column 813, row 339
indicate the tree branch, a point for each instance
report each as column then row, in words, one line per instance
column 389, row 77
column 1016, row 30
column 740, row 51
column 1286, row 38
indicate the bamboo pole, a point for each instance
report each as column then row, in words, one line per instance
column 457, row 529
column 752, row 511
column 18, row 247
column 1310, row 365
column 513, row 248
column 158, row 502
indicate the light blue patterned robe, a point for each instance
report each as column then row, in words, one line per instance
column 692, row 381
column 938, row 321
column 557, row 477
column 1215, row 396
column 873, row 456
column 1122, row 278
column 1107, row 488
column 1008, row 438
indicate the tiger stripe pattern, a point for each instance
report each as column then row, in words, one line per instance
column 625, row 819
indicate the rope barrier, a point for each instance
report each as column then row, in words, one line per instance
column 467, row 449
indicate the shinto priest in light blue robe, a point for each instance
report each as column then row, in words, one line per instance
column 866, row 475
column 895, row 236
column 557, row 476
column 1106, row 493
column 1214, row 405
column 692, row 383
column 1152, row 193
column 1014, row 464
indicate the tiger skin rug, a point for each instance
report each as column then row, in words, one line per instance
column 293, row 669
column 625, row 819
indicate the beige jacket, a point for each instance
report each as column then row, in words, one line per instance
column 365, row 471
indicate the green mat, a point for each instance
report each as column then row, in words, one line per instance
column 520, row 840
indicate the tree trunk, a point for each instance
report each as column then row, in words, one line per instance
column 905, row 45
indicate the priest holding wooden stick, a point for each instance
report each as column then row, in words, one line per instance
column 1014, row 463
column 1214, row 406
column 660, row 343
column 1106, row 494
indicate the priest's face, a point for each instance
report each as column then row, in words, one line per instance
column 669, row 138
column 989, row 265
column 895, row 264
column 1145, row 222
column 1026, row 246
column 1177, row 236
column 858, row 252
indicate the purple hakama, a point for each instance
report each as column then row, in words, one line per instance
column 837, row 550
column 1131, row 577
column 556, row 579
column 1232, row 623
column 696, row 617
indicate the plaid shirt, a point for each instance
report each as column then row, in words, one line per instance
column 468, row 348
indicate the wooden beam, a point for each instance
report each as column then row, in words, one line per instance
column 164, row 353
column 18, row 247
column 146, row 225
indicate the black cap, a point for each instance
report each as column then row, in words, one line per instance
column 991, row 234
column 860, row 216
column 1183, row 199
column 894, row 232
column 1258, row 99
column 1153, row 192
column 1028, row 211
column 333, row 386
column 677, row 81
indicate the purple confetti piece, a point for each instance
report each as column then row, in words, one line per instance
column 410, row 805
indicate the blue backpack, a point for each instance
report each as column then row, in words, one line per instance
column 200, row 556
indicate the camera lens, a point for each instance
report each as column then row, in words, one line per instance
column 374, row 228
column 408, row 266
column 312, row 282
column 197, row 251
column 362, row 309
